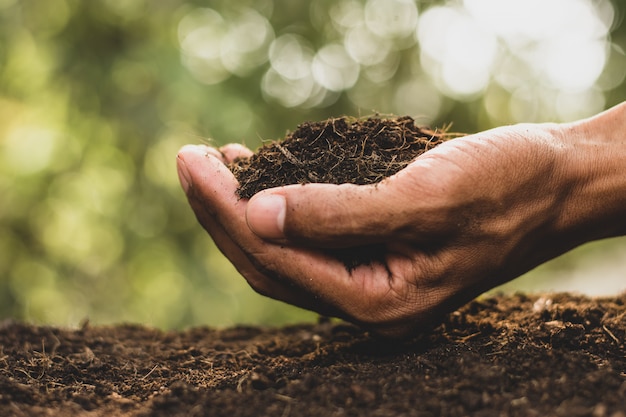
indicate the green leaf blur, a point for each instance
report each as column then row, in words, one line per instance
column 96, row 97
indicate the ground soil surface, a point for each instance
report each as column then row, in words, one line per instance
column 542, row 355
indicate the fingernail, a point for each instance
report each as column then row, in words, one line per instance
column 183, row 175
column 266, row 215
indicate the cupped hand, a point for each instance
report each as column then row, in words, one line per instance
column 464, row 217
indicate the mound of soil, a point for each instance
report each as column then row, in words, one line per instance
column 337, row 151
column 549, row 355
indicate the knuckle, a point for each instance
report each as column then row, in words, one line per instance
column 257, row 282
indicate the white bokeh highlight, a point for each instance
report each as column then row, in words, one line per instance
column 213, row 48
column 334, row 69
column 531, row 60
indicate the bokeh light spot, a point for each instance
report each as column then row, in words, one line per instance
column 200, row 35
column 291, row 57
column 457, row 52
column 565, row 67
column 418, row 98
column 29, row 149
column 288, row 92
column 391, row 18
column 365, row 47
column 346, row 14
column 333, row 68
column 245, row 44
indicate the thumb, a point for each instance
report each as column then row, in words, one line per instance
column 327, row 214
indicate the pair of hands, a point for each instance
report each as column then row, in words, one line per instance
column 464, row 217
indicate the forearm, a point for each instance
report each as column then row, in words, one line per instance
column 596, row 206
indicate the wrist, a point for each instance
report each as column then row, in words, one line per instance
column 596, row 166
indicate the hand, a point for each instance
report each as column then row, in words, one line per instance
column 466, row 216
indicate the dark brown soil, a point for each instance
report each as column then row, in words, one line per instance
column 336, row 151
column 550, row 355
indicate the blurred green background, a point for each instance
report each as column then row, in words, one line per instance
column 96, row 97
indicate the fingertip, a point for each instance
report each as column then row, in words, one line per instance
column 185, row 161
column 198, row 150
column 233, row 151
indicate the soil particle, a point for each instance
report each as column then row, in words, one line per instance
column 548, row 355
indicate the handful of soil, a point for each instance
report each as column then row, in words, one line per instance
column 335, row 151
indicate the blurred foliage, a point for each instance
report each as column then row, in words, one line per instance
column 96, row 97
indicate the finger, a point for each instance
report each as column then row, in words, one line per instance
column 206, row 179
column 260, row 282
column 183, row 169
column 382, row 297
column 319, row 213
column 203, row 150
column 405, row 206
column 233, row 151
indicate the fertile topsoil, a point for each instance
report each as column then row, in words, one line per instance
column 336, row 151
column 550, row 355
